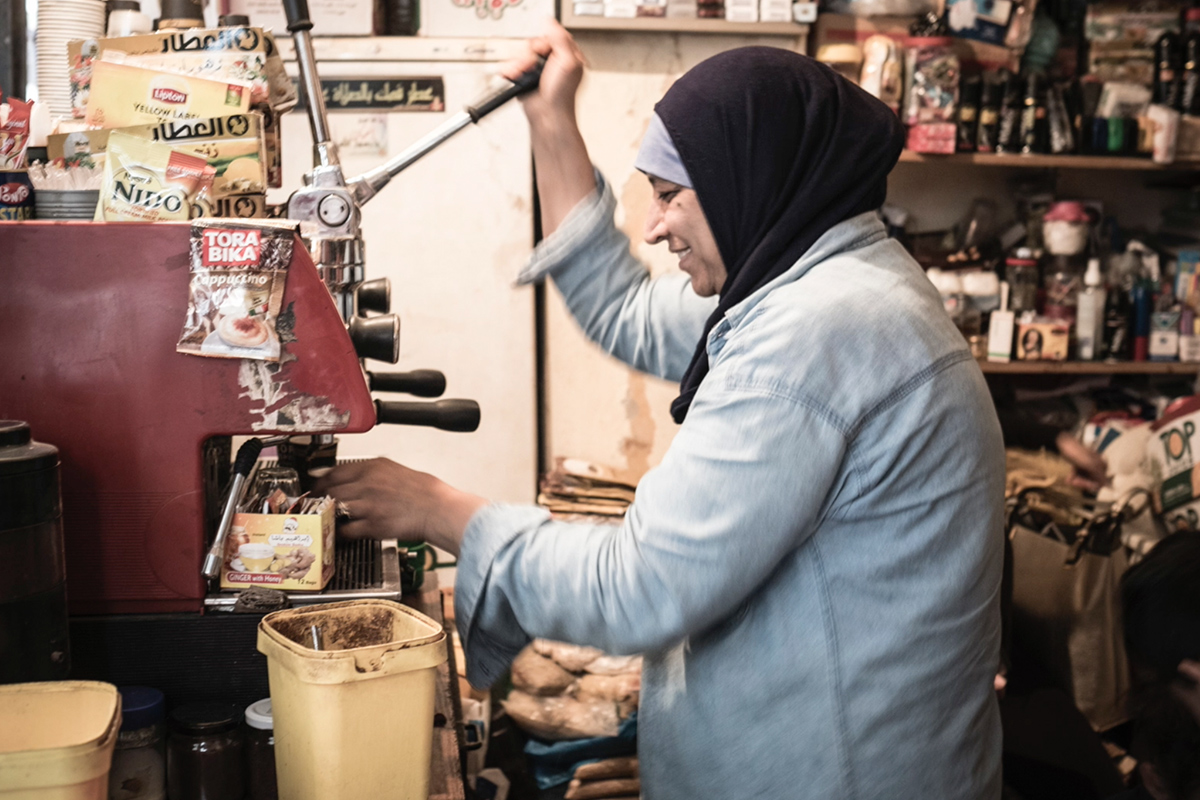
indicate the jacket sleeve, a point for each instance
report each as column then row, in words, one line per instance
column 651, row 324
column 745, row 482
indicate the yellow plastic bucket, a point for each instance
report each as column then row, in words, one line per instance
column 56, row 739
column 355, row 719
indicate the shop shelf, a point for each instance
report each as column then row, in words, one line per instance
column 678, row 25
column 1036, row 161
column 1090, row 368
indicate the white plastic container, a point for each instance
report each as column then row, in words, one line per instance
column 355, row 719
column 57, row 739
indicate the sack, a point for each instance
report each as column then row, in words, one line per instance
column 1067, row 568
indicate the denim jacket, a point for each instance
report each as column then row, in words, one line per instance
column 813, row 571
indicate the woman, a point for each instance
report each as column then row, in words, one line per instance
column 813, row 571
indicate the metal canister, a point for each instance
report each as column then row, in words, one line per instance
column 16, row 195
column 33, row 592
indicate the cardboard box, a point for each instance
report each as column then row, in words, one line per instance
column 292, row 552
column 1048, row 340
column 237, row 55
column 124, row 95
column 233, row 147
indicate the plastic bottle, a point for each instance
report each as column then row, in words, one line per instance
column 1190, row 99
column 1118, row 310
column 1089, row 319
column 1168, row 64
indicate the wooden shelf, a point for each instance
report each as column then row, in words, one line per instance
column 678, row 25
column 1089, row 368
column 1034, row 161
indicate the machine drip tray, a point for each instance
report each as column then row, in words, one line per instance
column 363, row 569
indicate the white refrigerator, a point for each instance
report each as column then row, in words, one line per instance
column 451, row 232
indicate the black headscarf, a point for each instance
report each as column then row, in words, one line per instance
column 780, row 149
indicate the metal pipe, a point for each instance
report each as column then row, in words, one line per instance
column 306, row 60
column 369, row 183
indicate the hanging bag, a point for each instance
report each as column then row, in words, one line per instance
column 1067, row 568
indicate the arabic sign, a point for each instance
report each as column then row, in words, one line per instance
column 395, row 94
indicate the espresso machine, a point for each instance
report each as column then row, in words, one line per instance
column 89, row 318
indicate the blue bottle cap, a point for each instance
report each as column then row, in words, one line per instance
column 141, row 707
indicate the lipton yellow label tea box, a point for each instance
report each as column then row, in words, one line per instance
column 291, row 552
column 124, row 95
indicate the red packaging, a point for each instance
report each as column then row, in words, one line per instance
column 14, row 134
column 932, row 137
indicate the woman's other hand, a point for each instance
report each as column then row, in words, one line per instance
column 1091, row 470
column 385, row 500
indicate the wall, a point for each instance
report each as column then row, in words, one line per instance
column 596, row 408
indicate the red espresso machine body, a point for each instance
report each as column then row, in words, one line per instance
column 89, row 318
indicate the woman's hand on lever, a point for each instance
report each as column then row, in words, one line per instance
column 385, row 500
column 564, row 171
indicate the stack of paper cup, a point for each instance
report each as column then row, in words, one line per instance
column 59, row 22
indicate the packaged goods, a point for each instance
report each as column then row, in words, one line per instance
column 14, row 134
column 232, row 146
column 882, row 70
column 1174, row 468
column 124, row 95
column 240, row 55
column 1045, row 340
column 281, row 551
column 147, row 181
column 539, row 675
column 238, row 272
column 932, row 82
column 16, row 195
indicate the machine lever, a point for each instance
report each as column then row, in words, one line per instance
column 376, row 338
column 526, row 81
column 368, row 184
column 461, row 416
column 375, row 295
column 247, row 454
column 419, row 382
column 297, row 15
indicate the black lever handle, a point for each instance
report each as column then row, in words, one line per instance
column 297, row 15
column 374, row 295
column 461, row 416
column 526, row 81
column 376, row 337
column 419, row 382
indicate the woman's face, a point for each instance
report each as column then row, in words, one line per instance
column 675, row 216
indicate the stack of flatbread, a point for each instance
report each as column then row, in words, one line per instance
column 575, row 486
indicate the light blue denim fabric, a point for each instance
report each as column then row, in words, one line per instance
column 813, row 571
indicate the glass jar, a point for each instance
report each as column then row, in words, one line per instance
column 1064, row 279
column 285, row 479
column 1021, row 271
column 205, row 753
column 260, row 751
column 139, row 770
